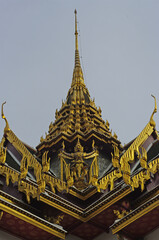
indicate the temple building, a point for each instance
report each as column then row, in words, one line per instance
column 80, row 182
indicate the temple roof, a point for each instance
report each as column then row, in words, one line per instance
column 80, row 177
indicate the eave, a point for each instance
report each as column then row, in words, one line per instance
column 136, row 214
column 78, row 134
column 8, row 206
column 52, row 199
column 89, row 212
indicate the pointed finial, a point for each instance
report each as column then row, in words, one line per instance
column 77, row 58
column 152, row 122
column 76, row 32
column 76, row 94
column 6, row 129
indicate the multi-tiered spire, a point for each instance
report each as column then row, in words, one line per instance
column 78, row 116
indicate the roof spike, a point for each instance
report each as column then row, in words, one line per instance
column 76, row 32
column 77, row 58
column 78, row 93
column 77, row 73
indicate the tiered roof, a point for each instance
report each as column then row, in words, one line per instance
column 80, row 177
column 78, row 116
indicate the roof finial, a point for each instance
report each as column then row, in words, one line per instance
column 76, row 94
column 76, row 32
column 6, row 129
column 77, row 59
column 152, row 122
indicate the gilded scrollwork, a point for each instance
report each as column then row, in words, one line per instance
column 144, row 175
column 137, row 149
column 29, row 161
column 120, row 214
column 109, row 179
column 3, row 152
column 154, row 166
column 143, row 158
column 45, row 162
column 9, row 174
column 140, row 179
column 129, row 156
column 23, row 167
column 94, row 171
column 29, row 189
column 115, row 157
column 56, row 220
column 1, row 214
column 55, row 183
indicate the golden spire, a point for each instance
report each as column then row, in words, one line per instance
column 77, row 73
column 78, row 93
column 76, row 32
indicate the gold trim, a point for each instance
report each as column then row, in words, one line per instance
column 25, row 218
column 6, row 199
column 77, row 135
column 128, row 156
column 108, row 204
column 9, row 173
column 61, row 208
column 3, row 152
column 144, row 175
column 85, row 211
column 85, row 197
column 135, row 217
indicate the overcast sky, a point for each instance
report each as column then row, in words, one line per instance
column 119, row 46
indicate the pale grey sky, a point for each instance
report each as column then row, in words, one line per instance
column 119, row 45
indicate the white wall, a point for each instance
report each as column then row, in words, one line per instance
column 153, row 236
column 6, row 236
